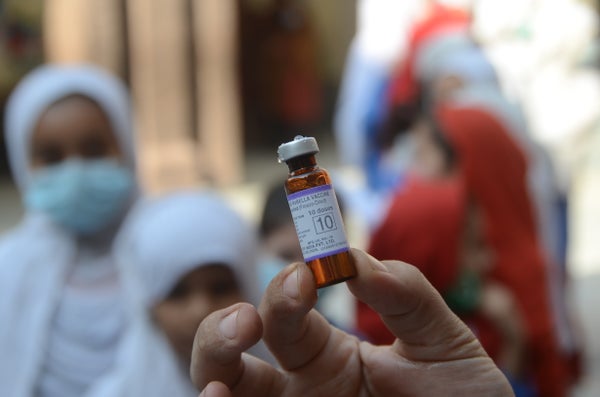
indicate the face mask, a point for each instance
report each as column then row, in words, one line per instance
column 82, row 196
column 268, row 267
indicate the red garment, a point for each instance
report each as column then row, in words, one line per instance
column 404, row 87
column 422, row 227
column 494, row 173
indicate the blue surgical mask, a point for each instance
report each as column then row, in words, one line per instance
column 83, row 196
column 268, row 267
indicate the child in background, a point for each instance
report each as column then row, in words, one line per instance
column 186, row 255
column 280, row 247
column 279, row 241
column 70, row 143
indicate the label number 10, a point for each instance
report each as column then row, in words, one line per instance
column 324, row 223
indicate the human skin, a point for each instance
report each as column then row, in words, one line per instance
column 73, row 127
column 198, row 293
column 434, row 354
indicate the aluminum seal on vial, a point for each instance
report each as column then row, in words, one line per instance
column 301, row 145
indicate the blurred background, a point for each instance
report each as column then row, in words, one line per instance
column 217, row 85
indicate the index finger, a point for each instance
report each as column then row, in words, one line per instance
column 294, row 332
column 413, row 310
column 220, row 341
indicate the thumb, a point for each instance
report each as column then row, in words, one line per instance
column 413, row 310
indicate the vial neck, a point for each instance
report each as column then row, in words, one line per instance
column 302, row 163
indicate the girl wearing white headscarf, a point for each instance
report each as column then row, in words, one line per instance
column 70, row 144
column 185, row 255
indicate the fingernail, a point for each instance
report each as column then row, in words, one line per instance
column 290, row 285
column 228, row 325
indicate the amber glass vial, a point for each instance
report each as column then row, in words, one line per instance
column 316, row 213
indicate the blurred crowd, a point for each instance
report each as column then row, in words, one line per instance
column 467, row 126
column 468, row 144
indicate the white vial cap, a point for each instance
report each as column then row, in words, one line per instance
column 301, row 145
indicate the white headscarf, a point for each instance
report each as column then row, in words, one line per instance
column 454, row 53
column 56, row 336
column 170, row 236
column 46, row 85
column 165, row 239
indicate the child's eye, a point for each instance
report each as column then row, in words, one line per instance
column 93, row 147
column 49, row 155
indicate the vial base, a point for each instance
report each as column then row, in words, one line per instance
column 332, row 269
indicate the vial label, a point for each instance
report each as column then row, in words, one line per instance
column 318, row 222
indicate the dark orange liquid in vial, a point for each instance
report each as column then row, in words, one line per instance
column 305, row 174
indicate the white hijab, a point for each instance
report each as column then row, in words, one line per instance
column 48, row 84
column 166, row 238
column 39, row 312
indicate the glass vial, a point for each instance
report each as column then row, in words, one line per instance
column 316, row 213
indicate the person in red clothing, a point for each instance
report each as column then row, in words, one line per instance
column 493, row 171
column 431, row 224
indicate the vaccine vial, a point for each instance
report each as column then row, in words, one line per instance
column 316, row 213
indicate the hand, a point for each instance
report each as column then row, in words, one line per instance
column 434, row 354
